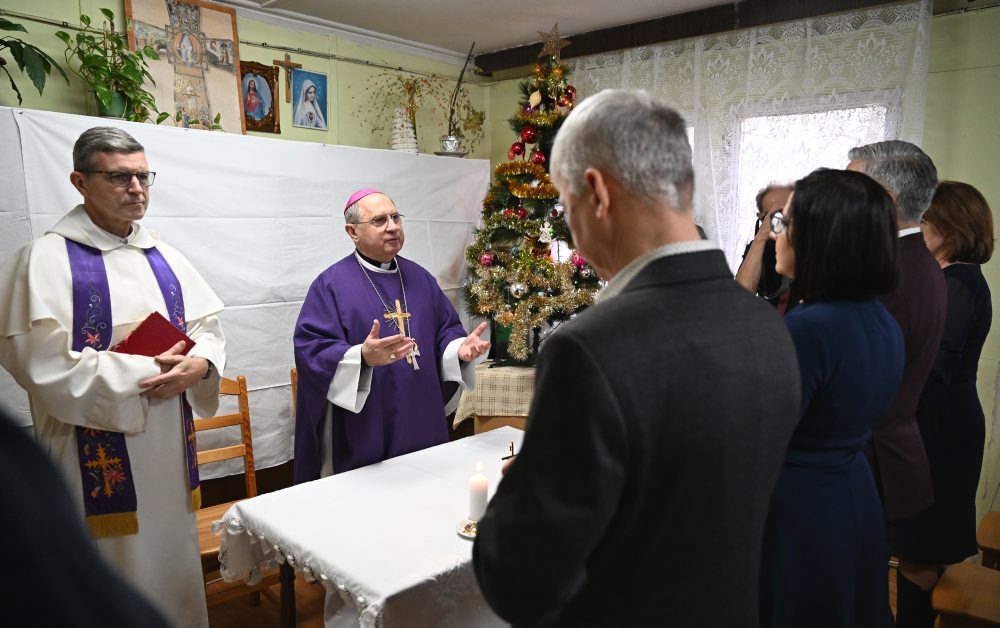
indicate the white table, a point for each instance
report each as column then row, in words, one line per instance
column 382, row 539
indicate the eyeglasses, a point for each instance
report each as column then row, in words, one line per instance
column 779, row 223
column 381, row 221
column 124, row 179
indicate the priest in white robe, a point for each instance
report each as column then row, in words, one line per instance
column 118, row 426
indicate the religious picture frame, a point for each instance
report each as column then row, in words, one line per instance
column 197, row 76
column 309, row 99
column 259, row 87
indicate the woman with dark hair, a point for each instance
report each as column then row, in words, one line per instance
column 824, row 555
column 958, row 230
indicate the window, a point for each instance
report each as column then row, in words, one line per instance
column 788, row 147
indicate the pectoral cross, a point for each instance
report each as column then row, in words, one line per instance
column 288, row 65
column 399, row 319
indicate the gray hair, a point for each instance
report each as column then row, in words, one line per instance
column 353, row 212
column 102, row 139
column 631, row 135
column 903, row 169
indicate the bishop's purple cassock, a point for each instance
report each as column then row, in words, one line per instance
column 404, row 410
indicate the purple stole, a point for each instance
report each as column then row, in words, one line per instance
column 109, row 497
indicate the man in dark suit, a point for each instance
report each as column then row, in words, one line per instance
column 919, row 303
column 54, row 575
column 642, row 485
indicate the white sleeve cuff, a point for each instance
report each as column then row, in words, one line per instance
column 351, row 383
column 455, row 370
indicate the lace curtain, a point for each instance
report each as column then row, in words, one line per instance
column 775, row 102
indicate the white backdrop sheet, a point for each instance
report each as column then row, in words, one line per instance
column 259, row 218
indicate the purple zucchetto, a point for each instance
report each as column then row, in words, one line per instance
column 357, row 196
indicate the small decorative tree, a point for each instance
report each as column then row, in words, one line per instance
column 389, row 89
column 522, row 272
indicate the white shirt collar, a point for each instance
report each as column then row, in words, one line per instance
column 383, row 268
column 908, row 231
column 617, row 283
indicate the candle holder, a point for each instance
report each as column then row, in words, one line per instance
column 467, row 528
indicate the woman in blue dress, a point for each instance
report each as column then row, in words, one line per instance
column 958, row 229
column 824, row 559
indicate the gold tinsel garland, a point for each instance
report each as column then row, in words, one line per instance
column 540, row 188
column 532, row 310
column 527, row 190
column 515, row 168
column 543, row 119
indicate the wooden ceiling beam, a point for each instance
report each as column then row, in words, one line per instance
column 719, row 19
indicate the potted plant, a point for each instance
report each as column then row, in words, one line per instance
column 469, row 123
column 30, row 59
column 115, row 74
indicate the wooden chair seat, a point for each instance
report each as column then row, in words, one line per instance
column 216, row 589
column 967, row 596
column 988, row 539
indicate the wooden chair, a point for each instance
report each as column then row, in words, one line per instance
column 216, row 589
column 988, row 539
column 967, row 596
column 295, row 389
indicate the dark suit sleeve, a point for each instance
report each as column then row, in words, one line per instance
column 54, row 574
column 560, row 495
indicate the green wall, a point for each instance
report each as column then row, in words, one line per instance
column 962, row 135
column 348, row 105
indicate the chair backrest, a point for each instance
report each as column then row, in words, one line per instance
column 295, row 389
column 238, row 389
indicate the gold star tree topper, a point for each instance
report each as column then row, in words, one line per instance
column 553, row 43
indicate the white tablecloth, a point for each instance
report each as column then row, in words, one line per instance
column 383, row 537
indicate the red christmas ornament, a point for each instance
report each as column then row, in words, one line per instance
column 529, row 134
column 554, row 212
column 510, row 154
column 517, row 148
column 571, row 92
column 577, row 260
column 486, row 259
column 565, row 101
column 508, row 212
column 537, row 156
column 521, row 212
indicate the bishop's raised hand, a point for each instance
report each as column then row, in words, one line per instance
column 381, row 351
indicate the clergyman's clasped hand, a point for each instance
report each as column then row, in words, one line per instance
column 177, row 373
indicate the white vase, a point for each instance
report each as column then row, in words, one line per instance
column 404, row 137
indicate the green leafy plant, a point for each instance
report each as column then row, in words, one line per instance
column 106, row 64
column 194, row 122
column 30, row 59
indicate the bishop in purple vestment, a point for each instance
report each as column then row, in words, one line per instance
column 379, row 350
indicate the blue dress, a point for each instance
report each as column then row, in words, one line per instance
column 824, row 558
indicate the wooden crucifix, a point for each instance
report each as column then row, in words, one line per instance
column 288, row 65
column 399, row 318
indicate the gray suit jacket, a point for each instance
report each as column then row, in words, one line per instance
column 658, row 428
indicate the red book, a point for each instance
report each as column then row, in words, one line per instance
column 152, row 337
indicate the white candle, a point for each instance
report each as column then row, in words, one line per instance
column 478, row 487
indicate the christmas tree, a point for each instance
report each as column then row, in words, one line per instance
column 521, row 267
